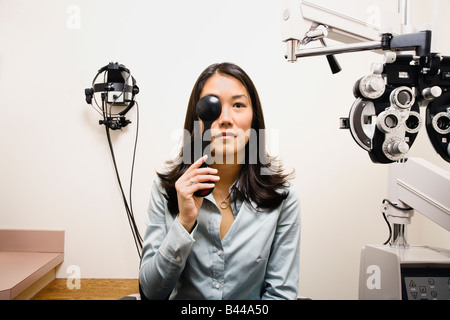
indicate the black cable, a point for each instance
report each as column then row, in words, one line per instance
column 128, row 206
column 385, row 218
column 132, row 168
column 390, row 229
column 107, row 118
column 130, row 215
column 396, row 206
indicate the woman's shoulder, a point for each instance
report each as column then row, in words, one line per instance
column 292, row 200
column 293, row 191
column 157, row 187
column 289, row 190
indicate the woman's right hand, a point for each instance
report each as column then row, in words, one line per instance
column 194, row 179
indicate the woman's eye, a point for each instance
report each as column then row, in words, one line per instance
column 239, row 105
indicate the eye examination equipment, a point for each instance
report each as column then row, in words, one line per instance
column 117, row 94
column 399, row 270
column 208, row 110
column 384, row 120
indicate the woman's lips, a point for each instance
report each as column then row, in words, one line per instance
column 225, row 135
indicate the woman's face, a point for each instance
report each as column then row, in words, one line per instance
column 230, row 132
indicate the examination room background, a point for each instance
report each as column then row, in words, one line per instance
column 56, row 169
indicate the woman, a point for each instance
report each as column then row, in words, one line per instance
column 242, row 240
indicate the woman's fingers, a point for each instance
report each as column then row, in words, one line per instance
column 203, row 178
column 199, row 182
column 197, row 178
column 196, row 174
column 202, row 182
column 196, row 164
column 194, row 179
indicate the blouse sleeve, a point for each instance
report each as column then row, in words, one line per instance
column 165, row 249
column 282, row 275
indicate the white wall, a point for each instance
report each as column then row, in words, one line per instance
column 55, row 165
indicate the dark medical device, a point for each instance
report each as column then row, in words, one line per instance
column 208, row 110
column 117, row 91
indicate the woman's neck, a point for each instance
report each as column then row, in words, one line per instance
column 228, row 175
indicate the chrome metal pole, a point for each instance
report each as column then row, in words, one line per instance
column 352, row 47
column 399, row 236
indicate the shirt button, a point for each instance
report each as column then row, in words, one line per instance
column 179, row 259
column 217, row 285
column 219, row 252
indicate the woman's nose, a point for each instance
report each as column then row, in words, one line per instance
column 225, row 119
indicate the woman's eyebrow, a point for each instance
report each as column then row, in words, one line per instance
column 239, row 96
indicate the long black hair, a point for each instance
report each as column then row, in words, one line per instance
column 262, row 181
